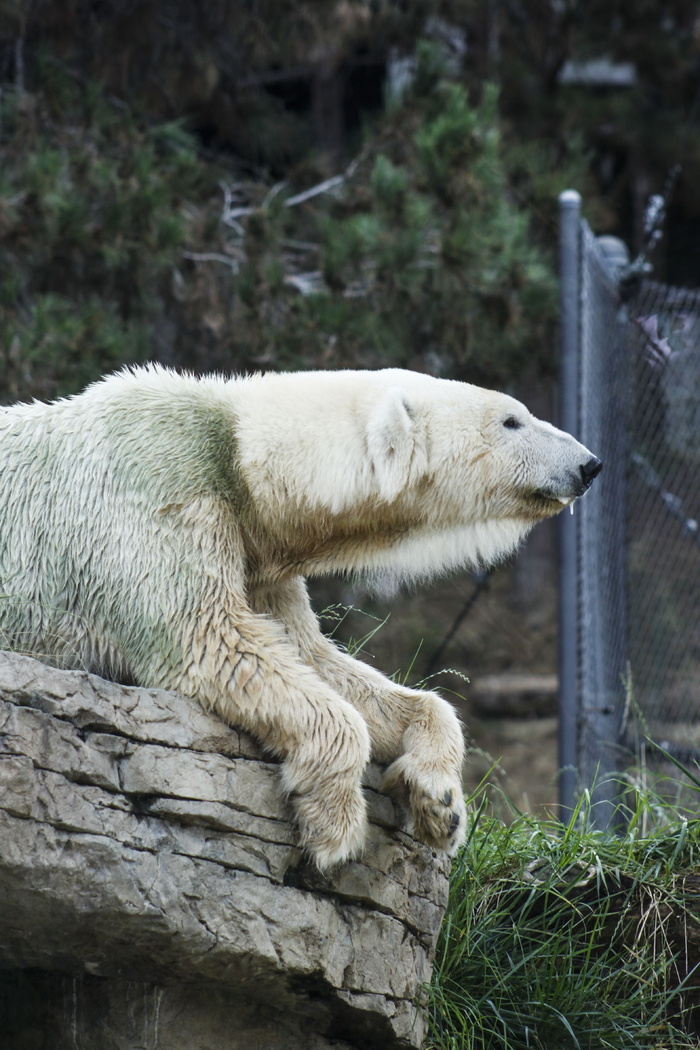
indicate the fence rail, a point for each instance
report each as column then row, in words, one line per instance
column 630, row 557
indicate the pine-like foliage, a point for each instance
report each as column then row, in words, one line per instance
column 419, row 257
column 119, row 246
column 92, row 219
column 123, row 237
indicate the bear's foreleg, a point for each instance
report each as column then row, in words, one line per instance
column 243, row 667
column 417, row 732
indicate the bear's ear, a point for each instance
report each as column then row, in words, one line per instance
column 392, row 441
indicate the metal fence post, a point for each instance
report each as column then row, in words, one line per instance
column 569, row 270
column 603, row 397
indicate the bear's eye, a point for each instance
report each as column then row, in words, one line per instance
column 512, row 423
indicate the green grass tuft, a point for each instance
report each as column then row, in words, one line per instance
column 564, row 938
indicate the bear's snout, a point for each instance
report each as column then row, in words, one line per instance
column 561, row 489
column 590, row 470
column 581, row 478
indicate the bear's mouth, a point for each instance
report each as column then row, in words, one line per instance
column 545, row 503
column 554, row 499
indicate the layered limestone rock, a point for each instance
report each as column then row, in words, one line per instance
column 152, row 893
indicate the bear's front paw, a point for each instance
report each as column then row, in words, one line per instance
column 435, row 801
column 332, row 822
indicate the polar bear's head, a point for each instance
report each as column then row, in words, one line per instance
column 483, row 453
column 472, row 468
column 403, row 474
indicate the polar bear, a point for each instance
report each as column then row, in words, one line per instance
column 157, row 529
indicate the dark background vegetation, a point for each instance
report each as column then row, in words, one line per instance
column 161, row 168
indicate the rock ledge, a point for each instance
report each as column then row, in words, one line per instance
column 152, row 893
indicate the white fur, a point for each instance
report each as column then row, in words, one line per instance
column 157, row 528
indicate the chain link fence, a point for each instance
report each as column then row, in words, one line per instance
column 630, row 562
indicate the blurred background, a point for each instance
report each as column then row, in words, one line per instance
column 246, row 185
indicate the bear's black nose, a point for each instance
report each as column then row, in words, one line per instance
column 590, row 470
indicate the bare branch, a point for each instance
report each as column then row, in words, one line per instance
column 315, row 191
column 234, row 209
column 306, row 283
column 326, row 185
column 212, row 257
